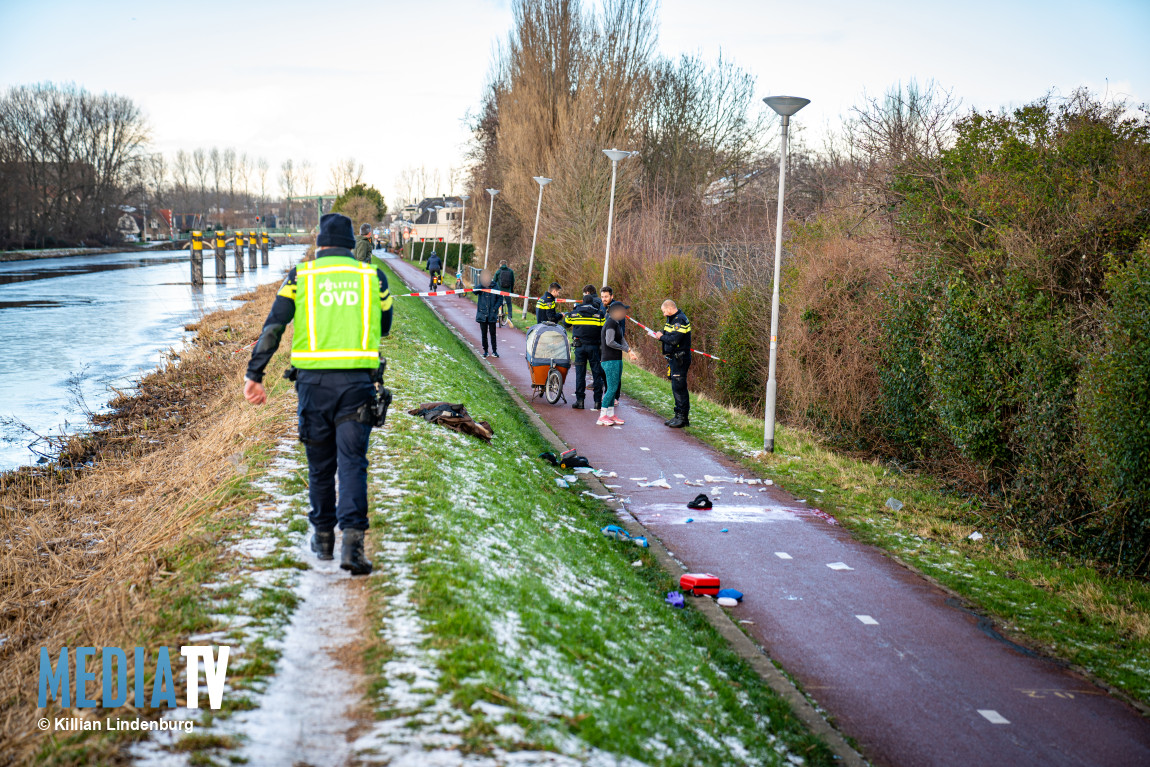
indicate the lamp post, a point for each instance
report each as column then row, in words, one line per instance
column 462, row 223
column 784, row 107
column 542, row 181
column 615, row 155
column 423, row 240
column 490, row 208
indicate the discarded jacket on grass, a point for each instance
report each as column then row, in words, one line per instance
column 454, row 417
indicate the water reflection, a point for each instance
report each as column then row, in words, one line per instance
column 72, row 327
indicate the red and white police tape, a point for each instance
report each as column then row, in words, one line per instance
column 520, row 295
column 652, row 334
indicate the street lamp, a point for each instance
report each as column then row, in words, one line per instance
column 423, row 243
column 462, row 223
column 542, row 181
column 615, row 155
column 490, row 207
column 784, row 107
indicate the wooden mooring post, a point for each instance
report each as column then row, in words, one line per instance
column 253, row 243
column 221, row 257
column 197, row 258
column 264, row 249
column 239, row 245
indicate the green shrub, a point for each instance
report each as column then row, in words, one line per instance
column 1115, row 405
column 741, row 379
column 904, row 415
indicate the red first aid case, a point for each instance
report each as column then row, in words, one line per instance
column 699, row 583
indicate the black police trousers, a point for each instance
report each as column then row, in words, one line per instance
column 677, row 367
column 336, row 443
column 588, row 355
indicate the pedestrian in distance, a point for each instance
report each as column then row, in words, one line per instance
column 676, row 339
column 434, row 269
column 547, row 307
column 343, row 308
column 586, row 323
column 505, row 280
column 487, row 312
column 614, row 347
column 363, row 244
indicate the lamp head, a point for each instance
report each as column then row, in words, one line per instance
column 615, row 155
column 785, row 106
column 542, row 180
column 493, row 192
column 465, row 197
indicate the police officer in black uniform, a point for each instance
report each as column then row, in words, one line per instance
column 676, row 338
column 344, row 308
column 586, row 323
column 547, row 307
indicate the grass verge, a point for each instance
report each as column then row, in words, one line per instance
column 1057, row 604
column 508, row 623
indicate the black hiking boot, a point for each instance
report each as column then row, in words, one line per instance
column 353, row 559
column 678, row 422
column 577, row 404
column 323, row 544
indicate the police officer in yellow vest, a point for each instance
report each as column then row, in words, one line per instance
column 341, row 308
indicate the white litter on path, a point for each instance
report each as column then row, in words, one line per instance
column 660, row 482
column 867, row 620
column 783, row 555
column 839, row 566
column 993, row 716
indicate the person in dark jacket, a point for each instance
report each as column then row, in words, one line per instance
column 335, row 356
column 586, row 323
column 614, row 347
column 434, row 267
column 363, row 244
column 505, row 280
column 547, row 307
column 676, row 339
column 487, row 312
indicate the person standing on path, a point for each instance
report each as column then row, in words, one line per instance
column 344, row 309
column 676, row 339
column 363, row 244
column 505, row 281
column 546, row 308
column 487, row 311
column 614, row 345
column 586, row 323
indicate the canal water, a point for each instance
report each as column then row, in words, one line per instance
column 71, row 328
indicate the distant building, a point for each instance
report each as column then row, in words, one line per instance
column 436, row 225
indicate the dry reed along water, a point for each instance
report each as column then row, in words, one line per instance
column 90, row 546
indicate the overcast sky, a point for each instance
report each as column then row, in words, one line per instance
column 392, row 84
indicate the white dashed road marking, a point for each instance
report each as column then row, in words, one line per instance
column 839, row 566
column 993, row 716
column 866, row 619
column 783, row 555
column 646, row 448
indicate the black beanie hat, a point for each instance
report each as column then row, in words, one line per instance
column 335, row 232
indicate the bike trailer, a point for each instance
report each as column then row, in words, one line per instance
column 699, row 583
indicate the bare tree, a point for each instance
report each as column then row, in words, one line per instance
column 288, row 182
column 69, row 161
column 345, row 174
column 230, row 173
column 216, row 166
column 262, row 168
column 306, row 176
column 200, row 165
